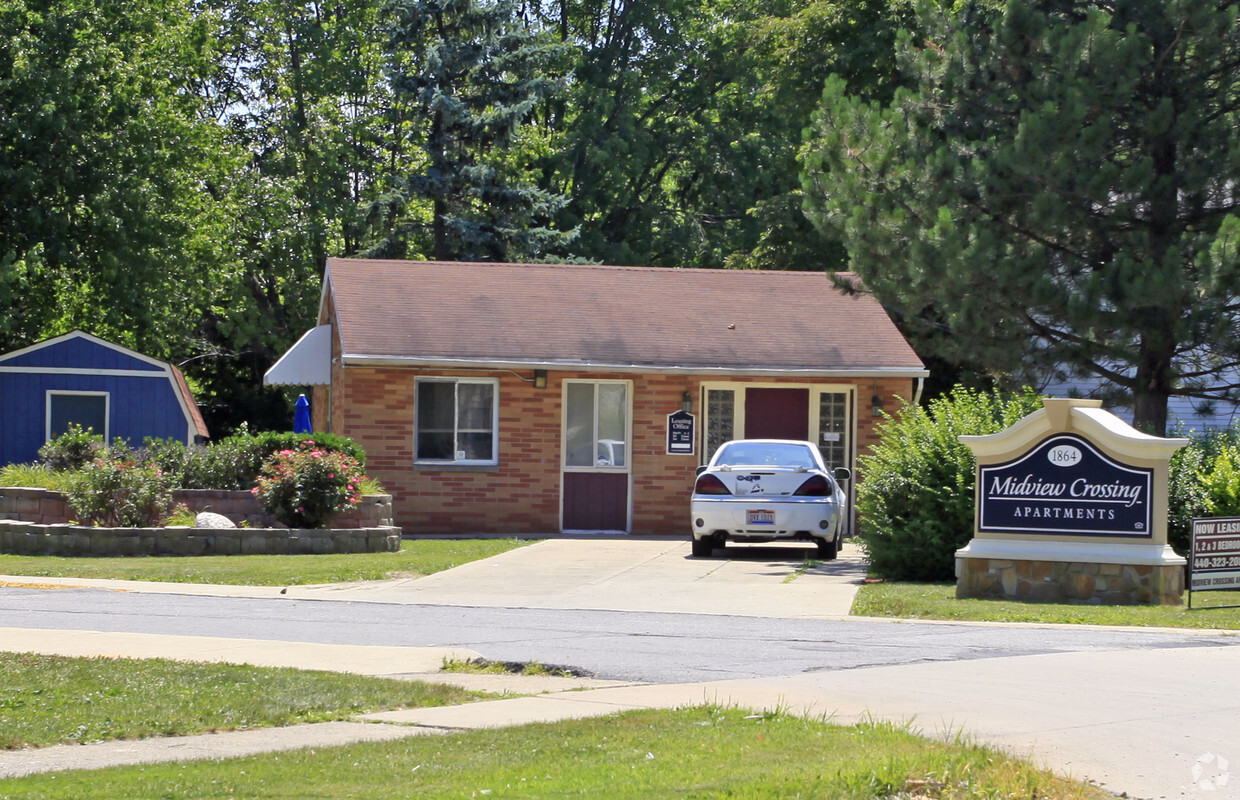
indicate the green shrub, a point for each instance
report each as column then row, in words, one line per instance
column 167, row 454
column 304, row 487
column 916, row 501
column 1222, row 484
column 232, row 463
column 72, row 450
column 1194, row 488
column 115, row 492
column 237, row 461
column 271, row 442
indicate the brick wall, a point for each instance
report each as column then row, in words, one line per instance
column 521, row 494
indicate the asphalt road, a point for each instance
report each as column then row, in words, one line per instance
column 639, row 646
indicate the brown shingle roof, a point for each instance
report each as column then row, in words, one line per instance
column 646, row 318
column 195, row 413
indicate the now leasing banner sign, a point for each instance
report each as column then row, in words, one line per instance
column 1216, row 554
column 1065, row 485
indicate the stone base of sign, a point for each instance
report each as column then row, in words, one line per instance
column 1068, row 572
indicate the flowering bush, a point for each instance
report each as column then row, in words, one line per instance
column 303, row 488
column 118, row 493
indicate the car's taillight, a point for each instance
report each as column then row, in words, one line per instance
column 709, row 484
column 817, row 486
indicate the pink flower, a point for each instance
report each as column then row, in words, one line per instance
column 331, row 475
column 254, row 490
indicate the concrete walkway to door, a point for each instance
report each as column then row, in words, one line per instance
column 633, row 574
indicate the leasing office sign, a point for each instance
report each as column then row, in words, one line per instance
column 1065, row 485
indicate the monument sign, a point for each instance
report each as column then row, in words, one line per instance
column 1071, row 505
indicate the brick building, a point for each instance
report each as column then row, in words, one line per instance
column 537, row 398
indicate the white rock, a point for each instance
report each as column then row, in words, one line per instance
column 209, row 519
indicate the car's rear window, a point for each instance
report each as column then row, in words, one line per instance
column 749, row 454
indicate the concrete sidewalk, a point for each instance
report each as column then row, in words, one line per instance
column 1105, row 716
column 1152, row 723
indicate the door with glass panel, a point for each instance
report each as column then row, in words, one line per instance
column 596, row 444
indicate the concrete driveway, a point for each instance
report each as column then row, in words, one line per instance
column 633, row 574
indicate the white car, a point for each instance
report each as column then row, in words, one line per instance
column 761, row 490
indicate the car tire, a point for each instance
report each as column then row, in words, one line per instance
column 828, row 549
column 704, row 547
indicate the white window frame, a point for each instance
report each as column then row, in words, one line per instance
column 107, row 411
column 738, row 408
column 494, row 384
column 628, row 428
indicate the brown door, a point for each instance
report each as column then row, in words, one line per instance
column 777, row 414
column 595, row 501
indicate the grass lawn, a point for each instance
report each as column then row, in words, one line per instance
column 701, row 752
column 416, row 557
column 47, row 700
column 938, row 601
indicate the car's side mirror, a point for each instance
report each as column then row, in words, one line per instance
column 842, row 474
column 700, row 470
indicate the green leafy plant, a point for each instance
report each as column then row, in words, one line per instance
column 115, row 492
column 1222, row 483
column 303, row 487
column 180, row 515
column 34, row 476
column 1193, row 488
column 917, row 498
column 236, row 462
column 73, row 449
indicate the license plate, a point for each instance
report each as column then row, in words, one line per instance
column 761, row 517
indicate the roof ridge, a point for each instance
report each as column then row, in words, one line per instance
column 578, row 266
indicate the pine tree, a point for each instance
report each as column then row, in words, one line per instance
column 1059, row 187
column 471, row 73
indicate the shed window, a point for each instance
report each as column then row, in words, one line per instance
column 457, row 420
column 87, row 409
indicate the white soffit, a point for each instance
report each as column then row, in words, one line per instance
column 307, row 363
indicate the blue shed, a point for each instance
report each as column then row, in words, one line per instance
column 79, row 378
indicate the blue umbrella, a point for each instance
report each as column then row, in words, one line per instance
column 301, row 417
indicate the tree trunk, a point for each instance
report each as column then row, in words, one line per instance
column 1152, row 387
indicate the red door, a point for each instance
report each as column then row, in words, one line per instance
column 777, row 414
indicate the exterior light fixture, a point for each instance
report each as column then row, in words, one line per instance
column 540, row 379
column 876, row 402
column 686, row 402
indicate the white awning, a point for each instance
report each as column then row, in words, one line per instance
column 307, row 363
